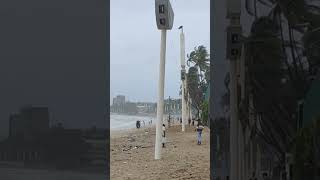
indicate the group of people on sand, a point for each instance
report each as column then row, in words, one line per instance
column 138, row 123
column 199, row 129
column 190, row 121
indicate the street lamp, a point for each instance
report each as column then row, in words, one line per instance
column 169, row 112
column 233, row 55
column 183, row 79
column 164, row 19
column 164, row 14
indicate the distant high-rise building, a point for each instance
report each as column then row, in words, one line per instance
column 119, row 100
column 172, row 106
column 118, row 104
column 30, row 120
column 14, row 126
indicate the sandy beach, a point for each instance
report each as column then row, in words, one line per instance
column 132, row 155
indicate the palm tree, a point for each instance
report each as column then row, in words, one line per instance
column 194, row 88
column 200, row 59
column 274, row 106
column 271, row 57
column 198, row 75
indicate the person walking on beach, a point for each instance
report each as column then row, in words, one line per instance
column 144, row 124
column 189, row 121
column 163, row 130
column 199, row 130
column 192, row 122
column 138, row 124
column 163, row 134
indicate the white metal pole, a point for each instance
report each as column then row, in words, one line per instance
column 189, row 115
column 258, row 155
column 183, row 100
column 161, row 94
column 241, row 137
column 240, row 152
column 251, row 121
column 258, row 168
column 234, row 175
column 186, row 102
column 190, row 107
column 187, row 112
column 183, row 108
column 235, row 126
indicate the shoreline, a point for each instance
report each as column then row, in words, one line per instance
column 114, row 132
column 142, row 115
column 122, row 132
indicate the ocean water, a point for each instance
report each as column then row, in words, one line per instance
column 120, row 122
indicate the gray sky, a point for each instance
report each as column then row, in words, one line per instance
column 135, row 45
column 53, row 53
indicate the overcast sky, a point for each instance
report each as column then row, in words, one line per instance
column 53, row 53
column 135, row 46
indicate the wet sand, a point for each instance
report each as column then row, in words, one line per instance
column 132, row 155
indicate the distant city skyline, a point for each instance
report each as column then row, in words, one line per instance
column 138, row 101
column 135, row 46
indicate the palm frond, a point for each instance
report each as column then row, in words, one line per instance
column 248, row 7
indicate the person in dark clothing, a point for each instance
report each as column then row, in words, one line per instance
column 192, row 122
column 199, row 130
column 163, row 134
column 138, row 124
column 163, row 130
column 189, row 121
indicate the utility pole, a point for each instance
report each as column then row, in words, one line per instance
column 187, row 105
column 183, row 79
column 164, row 19
column 190, row 107
column 169, row 112
column 160, row 104
column 233, row 55
column 187, row 101
column 242, row 135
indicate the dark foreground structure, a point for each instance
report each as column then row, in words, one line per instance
column 33, row 144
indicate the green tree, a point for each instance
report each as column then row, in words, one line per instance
column 305, row 150
column 194, row 88
column 198, row 75
column 199, row 58
column 273, row 57
column 205, row 112
column 275, row 106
